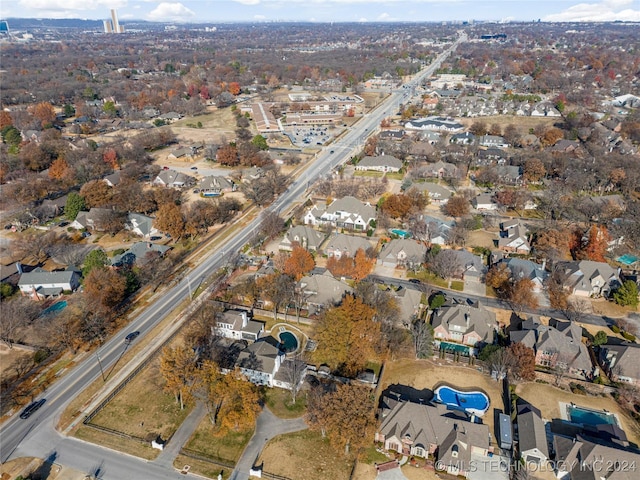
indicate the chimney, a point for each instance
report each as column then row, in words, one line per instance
column 544, row 263
column 19, row 268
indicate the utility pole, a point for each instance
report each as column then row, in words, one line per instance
column 101, row 370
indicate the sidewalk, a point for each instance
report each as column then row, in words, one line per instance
column 267, row 427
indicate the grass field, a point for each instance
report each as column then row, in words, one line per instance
column 199, row 467
column 304, row 456
column 208, row 443
column 142, row 408
column 279, row 402
column 125, row 445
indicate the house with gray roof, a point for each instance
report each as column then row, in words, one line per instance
column 484, row 201
column 322, row 291
column 441, row 169
column 213, row 186
column 472, row 266
column 463, row 138
column 580, row 458
column 558, row 344
column 305, row 236
column 137, row 253
column 113, row 179
column 347, row 212
column 440, row 124
column 587, row 278
column 492, row 141
column 141, row 225
column 340, row 245
column 532, row 437
column 261, row 360
column 40, row 284
column 471, row 325
column 421, row 430
column 514, row 239
column 521, row 268
column 381, row 163
column 402, row 253
column 437, row 230
column 174, row 179
column 621, row 362
column 91, row 220
column 409, row 303
column 237, row 325
column 438, row 194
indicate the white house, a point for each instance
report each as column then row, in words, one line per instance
column 41, row 284
column 237, row 325
column 346, row 212
column 382, row 163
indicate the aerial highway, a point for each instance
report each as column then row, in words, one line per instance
column 37, row 436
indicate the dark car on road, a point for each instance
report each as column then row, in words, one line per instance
column 31, row 408
column 131, row 336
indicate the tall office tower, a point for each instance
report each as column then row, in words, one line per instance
column 108, row 28
column 117, row 28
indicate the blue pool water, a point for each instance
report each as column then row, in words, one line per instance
column 587, row 416
column 289, row 341
column 400, row 233
column 471, row 402
column 627, row 259
column 454, row 347
column 55, row 308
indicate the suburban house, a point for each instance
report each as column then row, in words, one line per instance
column 40, row 284
column 113, row 179
column 291, row 369
column 340, row 245
column 305, row 236
column 347, row 212
column 470, row 325
column 409, row 303
column 402, row 253
column 181, row 152
column 382, row 163
column 141, row 225
column 621, row 362
column 437, row 230
column 521, row 268
column 237, row 325
column 441, row 169
column 557, row 345
column 532, row 437
column 174, row 179
column 322, row 290
column 463, row 138
column 438, row 195
column 213, row 186
column 484, row 201
column 492, row 141
column 137, row 252
column 91, row 220
column 423, row 430
column 470, row 267
column 513, row 238
column 439, row 124
column 587, row 278
column 509, row 174
column 581, row 458
column 261, row 360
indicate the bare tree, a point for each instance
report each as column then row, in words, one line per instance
column 17, row 313
column 446, row 264
column 422, row 334
column 271, row 224
column 501, row 362
column 295, row 370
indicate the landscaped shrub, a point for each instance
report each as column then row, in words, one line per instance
column 599, row 380
column 615, row 329
column 40, row 355
column 577, row 389
column 629, row 336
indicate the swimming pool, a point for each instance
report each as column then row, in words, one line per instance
column 55, row 308
column 400, row 233
column 627, row 259
column 475, row 402
column 455, row 347
column 588, row 416
column 288, row 340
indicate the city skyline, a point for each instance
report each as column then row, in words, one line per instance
column 222, row 11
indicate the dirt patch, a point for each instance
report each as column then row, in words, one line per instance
column 522, row 124
column 482, row 238
column 9, row 357
column 547, row 398
column 421, row 374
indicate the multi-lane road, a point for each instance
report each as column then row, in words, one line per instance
column 37, row 436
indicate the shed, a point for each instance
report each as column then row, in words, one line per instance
column 506, row 434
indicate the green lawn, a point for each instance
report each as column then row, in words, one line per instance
column 279, row 402
column 368, row 173
column 433, row 279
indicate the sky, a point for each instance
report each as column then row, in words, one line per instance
column 221, row 11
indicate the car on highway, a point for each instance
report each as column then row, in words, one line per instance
column 414, row 280
column 31, row 408
column 194, row 168
column 331, row 151
column 131, row 336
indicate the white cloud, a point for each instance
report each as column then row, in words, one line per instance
column 175, row 12
column 604, row 11
column 66, row 8
column 248, row 2
column 341, row 2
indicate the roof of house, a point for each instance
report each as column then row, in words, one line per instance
column 144, row 223
column 173, row 177
column 434, row 190
column 531, row 433
column 213, row 182
column 114, row 178
column 380, row 161
column 347, row 244
column 582, row 273
column 306, row 236
column 484, row 199
column 405, row 248
column 627, row 362
column 348, row 204
column 525, row 268
column 466, row 319
column 39, row 276
column 260, row 356
column 323, row 289
column 85, row 218
column 138, row 251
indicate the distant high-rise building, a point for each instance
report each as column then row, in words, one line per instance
column 113, row 25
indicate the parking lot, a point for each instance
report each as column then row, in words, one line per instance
column 310, row 136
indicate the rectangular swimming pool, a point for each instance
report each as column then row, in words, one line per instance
column 587, row 416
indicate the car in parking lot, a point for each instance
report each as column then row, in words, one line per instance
column 31, row 408
column 131, row 336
